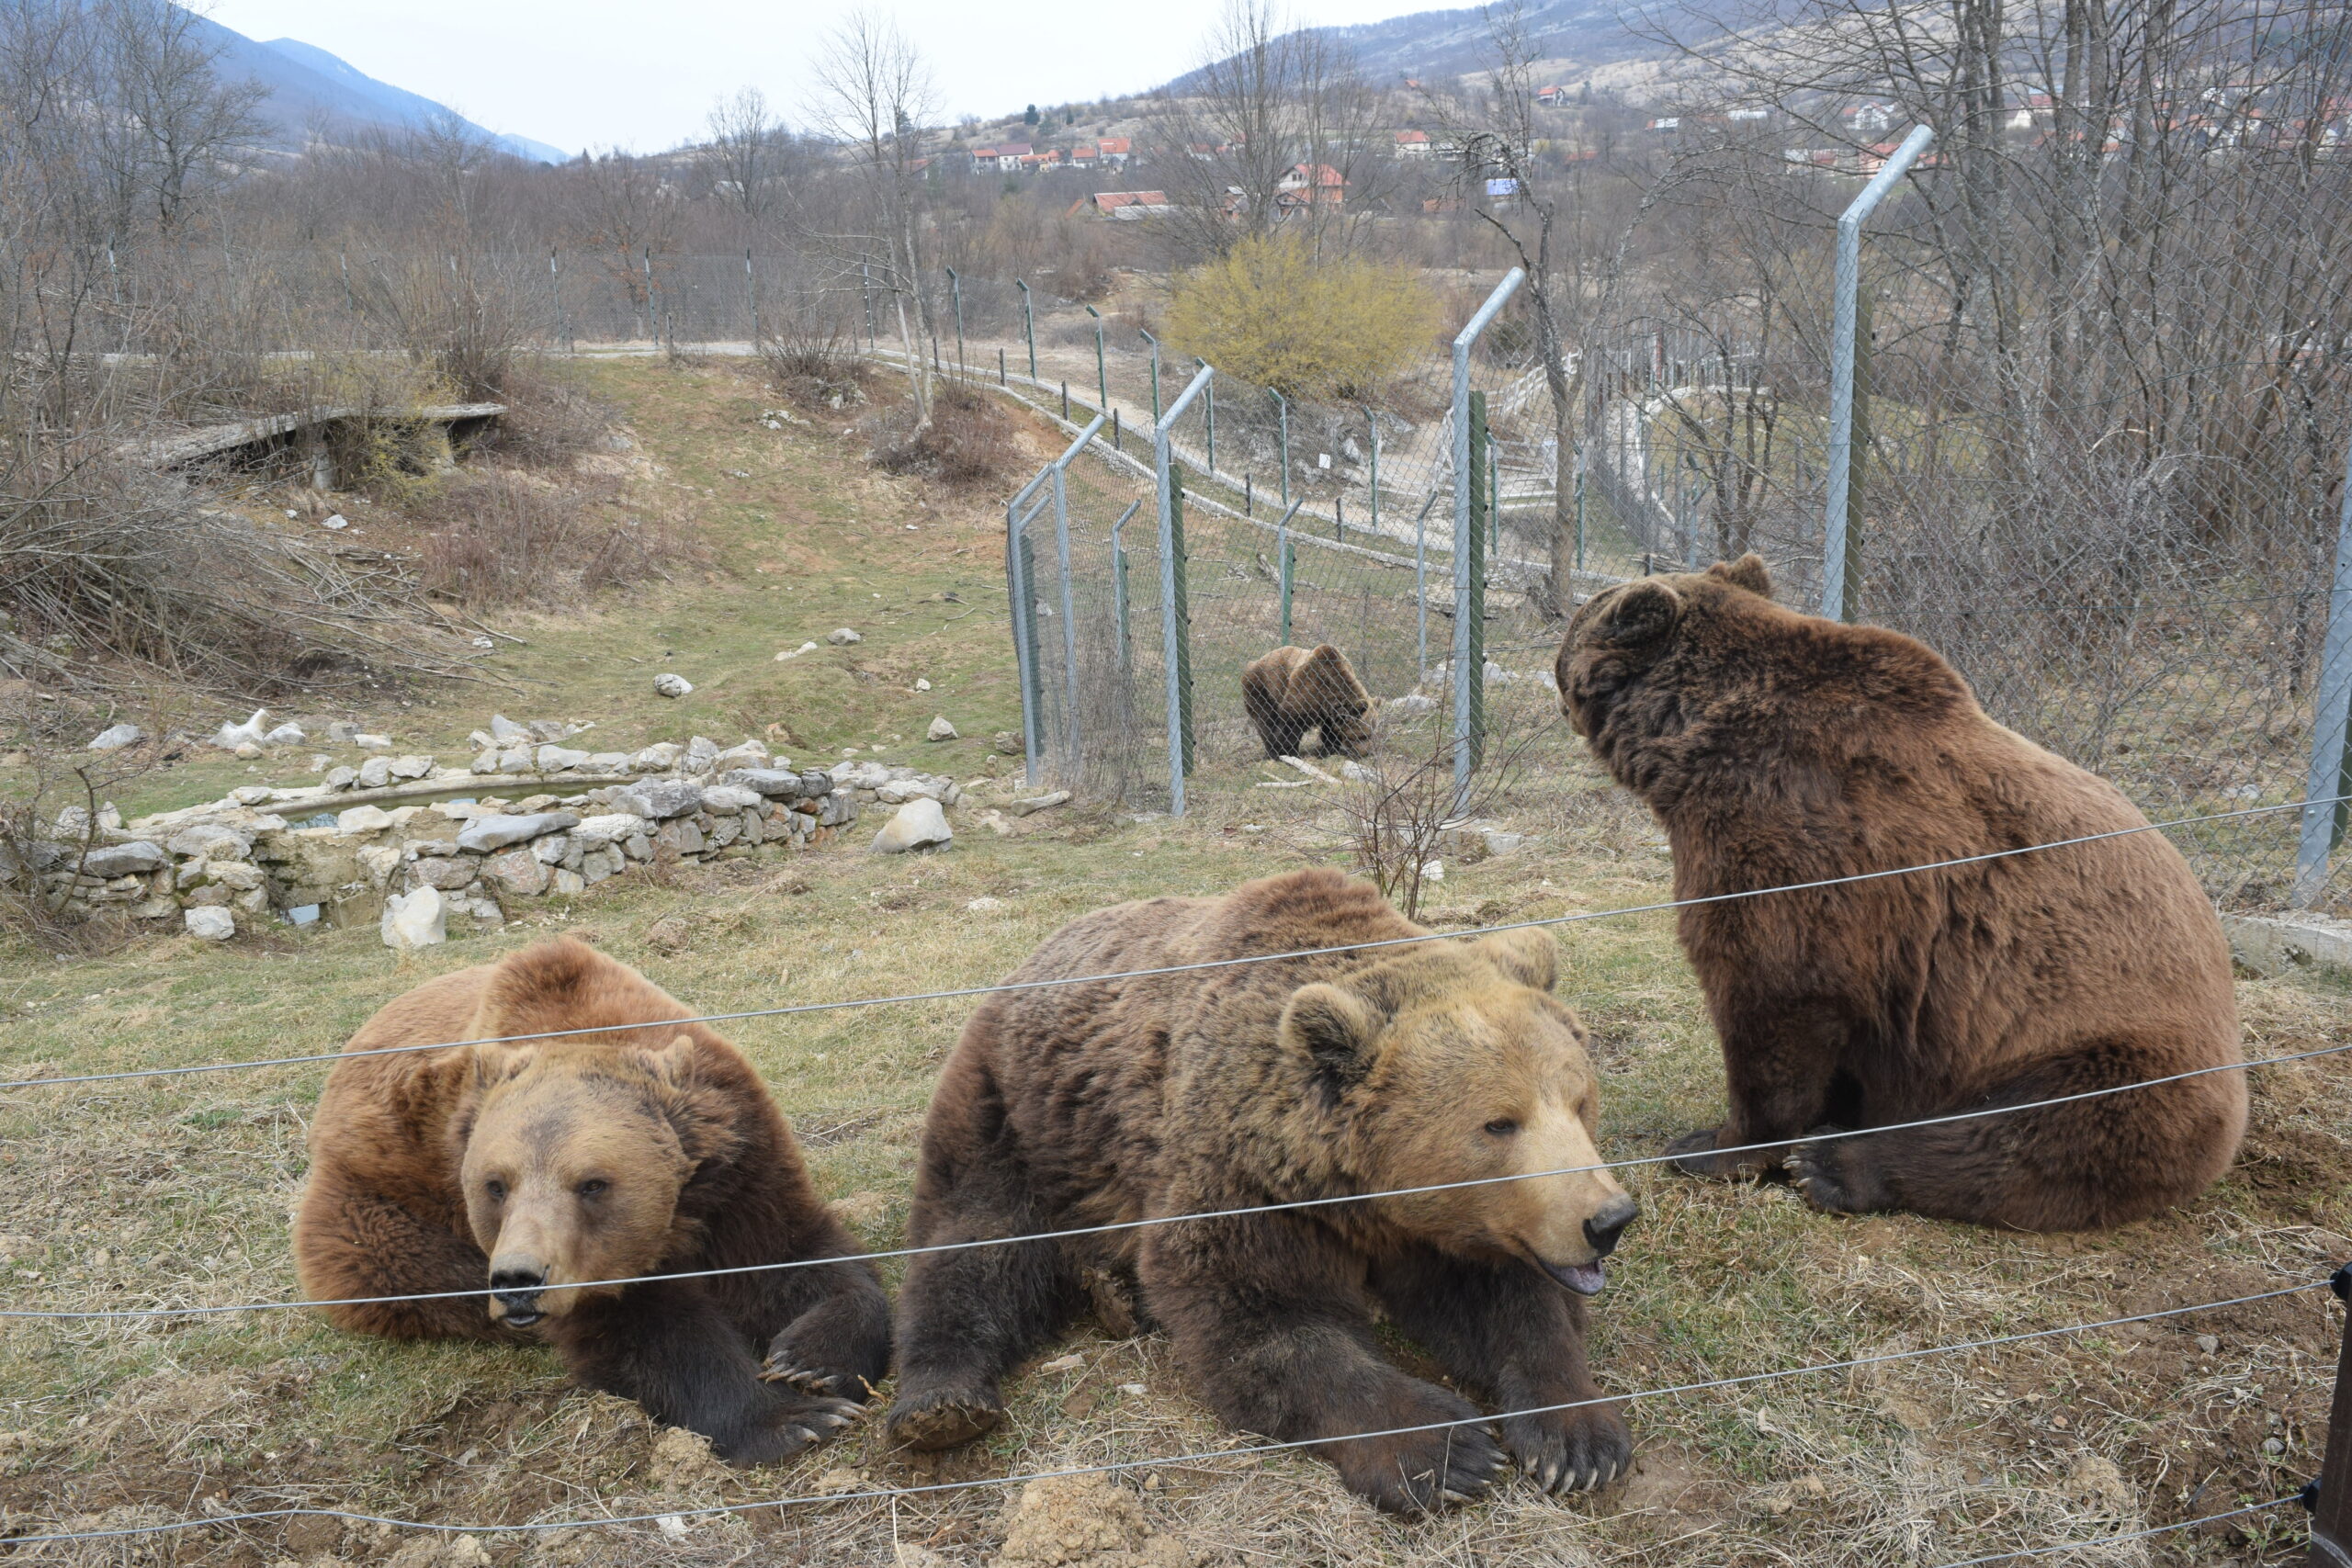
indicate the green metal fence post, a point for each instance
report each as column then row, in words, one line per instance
column 1155, row 374
column 1102, row 376
column 1281, row 536
column 1180, row 613
column 1283, row 403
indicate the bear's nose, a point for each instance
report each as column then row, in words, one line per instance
column 1605, row 1226
column 518, row 1289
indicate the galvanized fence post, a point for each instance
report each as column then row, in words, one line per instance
column 1028, row 324
column 1468, row 589
column 1282, row 567
column 1060, row 470
column 1482, row 531
column 1155, row 374
column 1838, row 557
column 2331, row 769
column 2330, row 1497
column 1176, row 631
column 1119, row 595
column 1017, row 574
column 1283, row 405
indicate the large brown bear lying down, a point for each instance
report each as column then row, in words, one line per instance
column 1269, row 1083
column 1778, row 748
column 1292, row 691
column 530, row 1169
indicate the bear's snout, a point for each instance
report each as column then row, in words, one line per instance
column 516, row 1284
column 1605, row 1227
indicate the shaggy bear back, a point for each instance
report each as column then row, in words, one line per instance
column 1780, row 749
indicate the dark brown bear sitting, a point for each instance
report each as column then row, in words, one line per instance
column 1778, row 748
column 541, row 1168
column 1310, row 1077
column 1294, row 691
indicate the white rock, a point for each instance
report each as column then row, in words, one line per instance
column 666, row 685
column 567, row 883
column 984, row 903
column 1038, row 803
column 506, row 731
column 729, row 798
column 1503, row 843
column 1356, row 773
column 337, row 520
column 556, row 758
column 251, row 794
column 750, row 754
column 362, row 820
column 116, row 737
column 660, row 757
column 484, row 834
column 941, row 730
column 485, row 763
column 841, row 636
column 285, row 735
column 380, row 861
column 340, row 778
column 1434, row 871
column 413, row 766
column 917, row 825
column 414, row 920
column 249, row 751
column 214, row 924
column 375, row 773
column 372, row 742
column 232, row 736
column 515, row 760
column 922, row 684
column 1412, row 701
column 613, row 828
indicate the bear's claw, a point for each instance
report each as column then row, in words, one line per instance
column 942, row 1420
column 1811, row 1172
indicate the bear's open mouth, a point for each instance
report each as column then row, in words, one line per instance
column 1584, row 1278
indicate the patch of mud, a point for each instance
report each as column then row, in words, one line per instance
column 1083, row 1521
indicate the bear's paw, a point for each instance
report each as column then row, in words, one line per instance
column 935, row 1418
column 1570, row 1451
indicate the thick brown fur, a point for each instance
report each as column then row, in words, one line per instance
column 1779, row 748
column 1303, row 1078
column 1294, row 690
column 646, row 1148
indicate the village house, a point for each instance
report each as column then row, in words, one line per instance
column 1124, row 206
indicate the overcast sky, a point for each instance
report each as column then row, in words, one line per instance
column 643, row 75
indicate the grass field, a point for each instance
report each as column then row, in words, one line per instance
column 177, row 1192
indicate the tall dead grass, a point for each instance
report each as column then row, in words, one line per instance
column 502, row 538
column 968, row 442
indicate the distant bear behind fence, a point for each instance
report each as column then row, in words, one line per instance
column 1294, row 690
column 1778, row 748
column 536, row 1170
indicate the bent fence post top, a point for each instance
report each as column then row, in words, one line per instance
column 1463, row 587
column 1164, row 436
column 1835, row 542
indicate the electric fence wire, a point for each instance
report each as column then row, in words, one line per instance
column 1152, row 1219
column 797, row 1008
column 1243, row 1451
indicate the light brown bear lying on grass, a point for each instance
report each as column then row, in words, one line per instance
column 535, row 1167
column 1314, row 1076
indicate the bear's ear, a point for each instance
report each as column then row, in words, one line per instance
column 671, row 1064
column 1333, row 1030
column 1645, row 611
column 494, row 1065
column 1530, row 957
column 1747, row 572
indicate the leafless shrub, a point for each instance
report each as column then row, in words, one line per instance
column 811, row 359
column 110, row 575
column 548, row 422
column 50, row 821
column 1403, row 812
column 969, row 440
column 502, row 538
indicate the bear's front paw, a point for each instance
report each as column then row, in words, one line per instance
column 792, row 1424
column 1415, row 1473
column 779, row 1367
column 1694, row 1155
column 932, row 1418
column 1571, row 1450
column 1833, row 1174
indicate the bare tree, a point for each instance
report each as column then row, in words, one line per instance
column 747, row 153
column 874, row 95
column 1273, row 127
column 1549, row 217
column 183, row 126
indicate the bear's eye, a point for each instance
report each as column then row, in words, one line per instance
column 496, row 1190
column 1502, row 1126
column 592, row 1186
